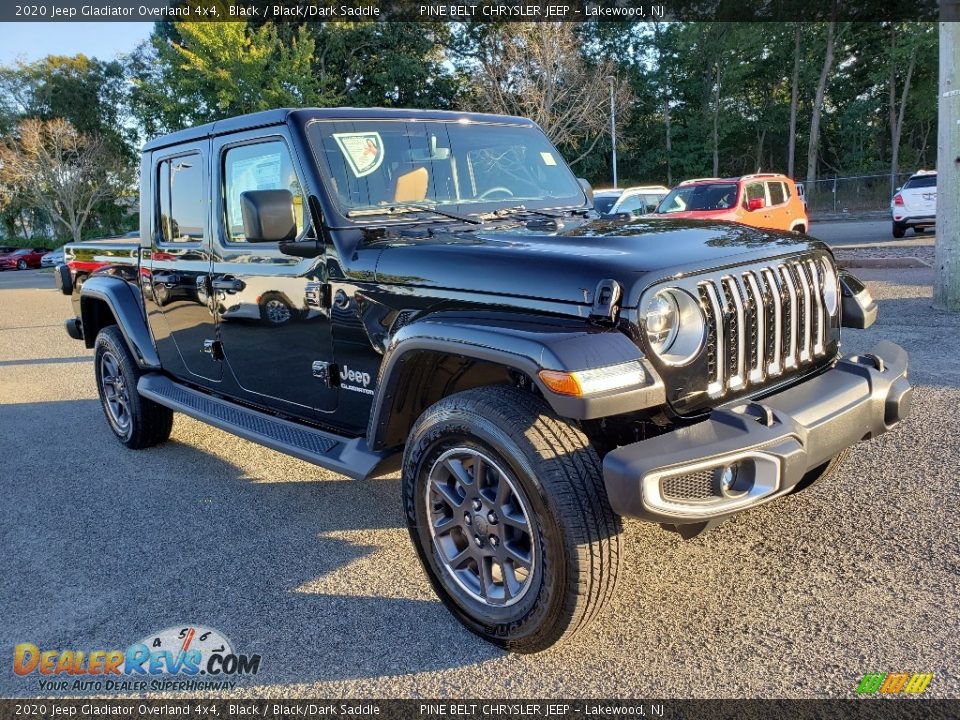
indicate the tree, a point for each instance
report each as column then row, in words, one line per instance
column 900, row 53
column 88, row 92
column 794, row 101
column 62, row 172
column 389, row 64
column 814, row 136
column 537, row 70
column 207, row 71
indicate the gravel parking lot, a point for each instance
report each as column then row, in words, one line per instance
column 315, row 572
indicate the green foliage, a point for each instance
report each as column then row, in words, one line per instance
column 190, row 73
column 210, row 71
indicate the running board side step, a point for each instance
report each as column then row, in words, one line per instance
column 348, row 456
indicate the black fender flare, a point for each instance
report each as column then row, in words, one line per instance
column 523, row 344
column 123, row 300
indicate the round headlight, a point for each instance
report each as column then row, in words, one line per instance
column 830, row 289
column 674, row 325
column 662, row 318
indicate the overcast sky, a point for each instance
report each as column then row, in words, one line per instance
column 104, row 40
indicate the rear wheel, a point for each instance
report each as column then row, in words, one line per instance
column 21, row 265
column 899, row 229
column 136, row 421
column 507, row 509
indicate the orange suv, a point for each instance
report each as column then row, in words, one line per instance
column 767, row 201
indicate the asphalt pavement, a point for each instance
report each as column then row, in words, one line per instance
column 845, row 233
column 799, row 598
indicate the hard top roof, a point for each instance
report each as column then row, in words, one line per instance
column 279, row 116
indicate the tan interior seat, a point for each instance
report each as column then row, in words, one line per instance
column 412, row 186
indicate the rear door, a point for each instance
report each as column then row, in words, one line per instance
column 175, row 268
column 779, row 212
column 275, row 335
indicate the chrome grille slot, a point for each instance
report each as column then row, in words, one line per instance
column 763, row 322
column 806, row 305
column 736, row 334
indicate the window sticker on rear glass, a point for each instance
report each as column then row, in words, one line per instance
column 363, row 151
column 548, row 158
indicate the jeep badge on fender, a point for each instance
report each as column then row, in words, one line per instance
column 373, row 289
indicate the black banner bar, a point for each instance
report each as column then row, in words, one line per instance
column 467, row 10
column 217, row 709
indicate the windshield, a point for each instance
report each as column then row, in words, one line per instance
column 708, row 196
column 471, row 167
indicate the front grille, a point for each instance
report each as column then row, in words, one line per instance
column 692, row 486
column 763, row 322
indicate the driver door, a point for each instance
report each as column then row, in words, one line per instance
column 273, row 332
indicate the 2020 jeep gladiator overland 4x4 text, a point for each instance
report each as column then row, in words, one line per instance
column 374, row 289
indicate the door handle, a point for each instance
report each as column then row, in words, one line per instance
column 227, row 284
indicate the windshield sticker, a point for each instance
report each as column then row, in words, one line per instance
column 363, row 151
column 548, row 158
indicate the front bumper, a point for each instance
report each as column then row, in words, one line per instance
column 771, row 444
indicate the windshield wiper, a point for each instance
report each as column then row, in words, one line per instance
column 401, row 209
column 504, row 212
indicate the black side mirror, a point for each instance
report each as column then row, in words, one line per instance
column 587, row 188
column 858, row 309
column 268, row 216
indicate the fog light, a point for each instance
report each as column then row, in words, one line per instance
column 734, row 482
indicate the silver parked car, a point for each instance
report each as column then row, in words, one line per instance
column 52, row 258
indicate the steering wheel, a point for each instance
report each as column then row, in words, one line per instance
column 507, row 191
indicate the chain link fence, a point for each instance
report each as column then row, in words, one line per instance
column 859, row 193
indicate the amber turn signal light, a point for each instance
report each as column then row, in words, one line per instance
column 562, row 383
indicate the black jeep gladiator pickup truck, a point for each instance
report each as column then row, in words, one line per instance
column 432, row 291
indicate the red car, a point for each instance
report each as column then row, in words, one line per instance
column 22, row 259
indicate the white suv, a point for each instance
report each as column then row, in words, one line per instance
column 915, row 204
column 632, row 202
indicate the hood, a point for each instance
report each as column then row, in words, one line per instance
column 565, row 265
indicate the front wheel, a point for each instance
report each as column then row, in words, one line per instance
column 507, row 509
column 22, row 265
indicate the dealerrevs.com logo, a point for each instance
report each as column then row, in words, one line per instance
column 183, row 658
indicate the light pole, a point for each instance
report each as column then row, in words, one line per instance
column 613, row 129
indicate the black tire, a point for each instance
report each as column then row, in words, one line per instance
column 21, row 265
column 820, row 473
column 899, row 230
column 574, row 536
column 142, row 423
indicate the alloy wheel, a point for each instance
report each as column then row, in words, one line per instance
column 116, row 395
column 480, row 524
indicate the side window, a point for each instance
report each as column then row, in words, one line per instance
column 754, row 190
column 633, row 204
column 776, row 193
column 786, row 190
column 261, row 166
column 180, row 194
